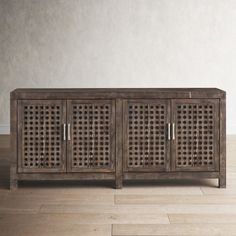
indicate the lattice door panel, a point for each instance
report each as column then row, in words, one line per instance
column 41, row 148
column 92, row 143
column 146, row 144
column 195, row 147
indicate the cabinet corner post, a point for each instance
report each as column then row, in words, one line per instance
column 119, row 144
column 13, row 178
column 13, row 141
column 222, row 177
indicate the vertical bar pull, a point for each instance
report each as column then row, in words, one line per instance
column 173, row 131
column 168, row 130
column 64, row 132
column 68, row 132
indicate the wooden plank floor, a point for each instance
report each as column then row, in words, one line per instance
column 178, row 207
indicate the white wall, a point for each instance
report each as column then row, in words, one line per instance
column 118, row 43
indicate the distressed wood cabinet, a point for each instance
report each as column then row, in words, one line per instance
column 118, row 134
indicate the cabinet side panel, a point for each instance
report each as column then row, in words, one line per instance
column 222, row 179
column 13, row 131
column 119, row 145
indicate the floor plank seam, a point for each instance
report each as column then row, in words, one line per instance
column 168, row 218
column 202, row 191
column 40, row 208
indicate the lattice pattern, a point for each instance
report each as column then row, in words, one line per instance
column 195, row 135
column 91, row 135
column 146, row 135
column 41, row 136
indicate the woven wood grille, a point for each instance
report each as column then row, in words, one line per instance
column 91, row 130
column 146, row 135
column 195, row 135
column 41, row 136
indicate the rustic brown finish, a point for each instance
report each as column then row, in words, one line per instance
column 40, row 146
column 14, row 135
column 146, row 147
column 196, row 146
column 118, row 134
column 92, row 145
column 119, row 143
column 222, row 179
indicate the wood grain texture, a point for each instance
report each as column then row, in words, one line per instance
column 119, row 143
column 55, row 198
column 83, row 219
column 146, row 147
column 133, row 93
column 13, row 140
column 57, row 229
column 202, row 218
column 170, row 208
column 178, row 199
column 196, row 145
column 174, row 229
column 91, row 147
column 222, row 179
column 40, row 146
column 118, row 134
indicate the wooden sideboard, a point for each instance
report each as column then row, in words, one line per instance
column 118, row 134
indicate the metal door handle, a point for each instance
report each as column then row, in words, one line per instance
column 64, row 132
column 68, row 132
column 168, row 131
column 173, row 131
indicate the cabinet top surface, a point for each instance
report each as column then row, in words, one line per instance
column 114, row 89
column 22, row 93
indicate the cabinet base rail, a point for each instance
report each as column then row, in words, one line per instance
column 111, row 176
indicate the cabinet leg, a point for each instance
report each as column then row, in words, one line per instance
column 13, row 178
column 13, row 184
column 119, row 184
column 222, row 182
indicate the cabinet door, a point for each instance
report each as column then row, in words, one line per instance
column 196, row 146
column 40, row 144
column 146, row 145
column 92, row 144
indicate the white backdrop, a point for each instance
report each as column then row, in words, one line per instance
column 118, row 43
